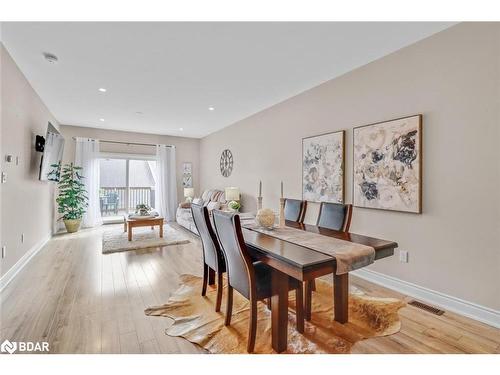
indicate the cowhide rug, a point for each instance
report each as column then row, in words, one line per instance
column 195, row 320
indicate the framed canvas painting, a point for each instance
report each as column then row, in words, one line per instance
column 387, row 158
column 323, row 167
column 187, row 175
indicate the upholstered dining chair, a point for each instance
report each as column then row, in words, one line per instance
column 213, row 257
column 294, row 210
column 335, row 216
column 251, row 279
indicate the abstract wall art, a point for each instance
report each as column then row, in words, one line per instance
column 187, row 175
column 387, row 158
column 323, row 167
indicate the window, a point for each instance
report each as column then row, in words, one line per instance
column 125, row 183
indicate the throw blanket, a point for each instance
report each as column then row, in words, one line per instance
column 349, row 255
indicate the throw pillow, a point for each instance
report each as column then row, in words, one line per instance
column 213, row 206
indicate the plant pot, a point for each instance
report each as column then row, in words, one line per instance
column 72, row 225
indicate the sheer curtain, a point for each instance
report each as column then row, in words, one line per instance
column 165, row 182
column 87, row 157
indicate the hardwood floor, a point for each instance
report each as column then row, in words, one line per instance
column 81, row 301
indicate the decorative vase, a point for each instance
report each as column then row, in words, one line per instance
column 72, row 225
column 265, row 218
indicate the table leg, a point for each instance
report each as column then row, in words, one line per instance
column 341, row 297
column 161, row 230
column 308, row 299
column 279, row 311
column 129, row 232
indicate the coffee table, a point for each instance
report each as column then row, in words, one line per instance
column 146, row 222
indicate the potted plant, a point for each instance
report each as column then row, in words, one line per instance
column 72, row 199
column 234, row 206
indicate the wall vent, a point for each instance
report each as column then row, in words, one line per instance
column 428, row 308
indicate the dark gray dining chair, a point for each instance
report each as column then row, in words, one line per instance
column 213, row 257
column 335, row 216
column 295, row 210
column 251, row 279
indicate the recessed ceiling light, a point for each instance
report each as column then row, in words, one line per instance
column 50, row 57
column 101, row 119
column 102, row 89
column 211, row 108
column 181, row 129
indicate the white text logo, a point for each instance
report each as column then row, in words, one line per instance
column 22, row 346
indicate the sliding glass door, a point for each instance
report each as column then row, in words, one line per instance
column 126, row 181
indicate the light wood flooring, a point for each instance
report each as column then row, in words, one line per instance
column 81, row 301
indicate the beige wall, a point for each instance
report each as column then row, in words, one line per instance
column 26, row 202
column 453, row 79
column 186, row 149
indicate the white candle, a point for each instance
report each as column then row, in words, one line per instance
column 281, row 189
column 260, row 188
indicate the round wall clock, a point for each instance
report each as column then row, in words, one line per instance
column 226, row 163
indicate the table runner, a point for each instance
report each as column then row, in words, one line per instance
column 350, row 256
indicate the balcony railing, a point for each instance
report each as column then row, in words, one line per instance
column 113, row 200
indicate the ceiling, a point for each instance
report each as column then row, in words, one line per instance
column 163, row 77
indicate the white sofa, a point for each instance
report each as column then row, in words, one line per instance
column 212, row 199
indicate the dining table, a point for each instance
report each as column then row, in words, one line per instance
column 289, row 259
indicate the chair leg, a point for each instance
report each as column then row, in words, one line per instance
column 219, row 291
column 211, row 276
column 205, row 280
column 252, row 327
column 299, row 308
column 229, row 306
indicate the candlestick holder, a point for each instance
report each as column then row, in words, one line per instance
column 282, row 213
column 259, row 203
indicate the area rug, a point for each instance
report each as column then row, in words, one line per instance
column 196, row 320
column 116, row 240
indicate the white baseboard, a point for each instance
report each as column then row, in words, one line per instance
column 444, row 301
column 14, row 270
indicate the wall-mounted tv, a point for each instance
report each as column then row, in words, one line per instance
column 50, row 166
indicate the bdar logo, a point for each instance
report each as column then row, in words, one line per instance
column 8, row 347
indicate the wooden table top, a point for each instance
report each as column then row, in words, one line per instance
column 304, row 257
column 376, row 243
column 144, row 219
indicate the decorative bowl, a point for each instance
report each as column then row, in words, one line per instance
column 265, row 218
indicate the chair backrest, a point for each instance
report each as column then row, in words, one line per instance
column 239, row 266
column 212, row 254
column 335, row 216
column 294, row 209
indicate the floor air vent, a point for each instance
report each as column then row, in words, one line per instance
column 428, row 308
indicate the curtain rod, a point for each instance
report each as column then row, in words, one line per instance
column 129, row 143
